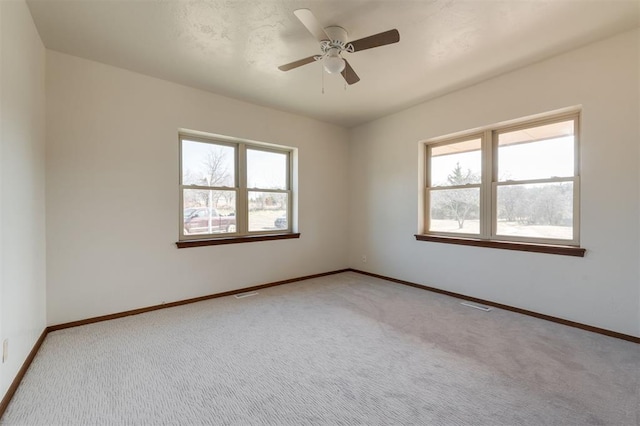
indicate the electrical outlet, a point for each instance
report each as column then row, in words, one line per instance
column 5, row 350
column 364, row 258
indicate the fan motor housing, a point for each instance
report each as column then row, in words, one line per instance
column 337, row 34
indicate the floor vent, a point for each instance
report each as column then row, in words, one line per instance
column 247, row 294
column 473, row 305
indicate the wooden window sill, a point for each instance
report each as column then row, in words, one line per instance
column 236, row 240
column 506, row 245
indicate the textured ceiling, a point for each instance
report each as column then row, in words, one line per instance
column 233, row 47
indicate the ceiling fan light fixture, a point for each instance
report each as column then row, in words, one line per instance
column 333, row 41
column 333, row 64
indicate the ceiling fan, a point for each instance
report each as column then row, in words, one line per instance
column 333, row 42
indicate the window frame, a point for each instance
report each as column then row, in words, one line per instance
column 242, row 233
column 488, row 203
column 288, row 190
column 429, row 188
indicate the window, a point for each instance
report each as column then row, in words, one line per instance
column 516, row 183
column 230, row 189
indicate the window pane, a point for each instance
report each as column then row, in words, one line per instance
column 268, row 211
column 537, row 152
column 266, row 170
column 455, row 210
column 456, row 163
column 209, row 212
column 207, row 164
column 536, row 210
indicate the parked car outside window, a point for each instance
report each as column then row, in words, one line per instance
column 281, row 222
column 207, row 221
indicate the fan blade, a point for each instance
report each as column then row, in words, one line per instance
column 309, row 20
column 380, row 39
column 297, row 63
column 349, row 74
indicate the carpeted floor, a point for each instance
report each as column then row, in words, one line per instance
column 345, row 349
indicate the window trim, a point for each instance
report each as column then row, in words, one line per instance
column 242, row 233
column 488, row 219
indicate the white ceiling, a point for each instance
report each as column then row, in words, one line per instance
column 233, row 47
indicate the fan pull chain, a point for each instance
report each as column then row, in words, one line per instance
column 322, row 71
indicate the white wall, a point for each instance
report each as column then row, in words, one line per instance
column 601, row 289
column 112, row 192
column 22, row 189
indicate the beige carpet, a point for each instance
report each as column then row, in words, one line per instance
column 341, row 350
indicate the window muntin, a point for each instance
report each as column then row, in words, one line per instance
column 215, row 212
column 527, row 189
column 267, row 169
column 535, row 210
column 268, row 210
column 455, row 210
column 463, row 156
column 540, row 152
column 208, row 164
column 233, row 189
